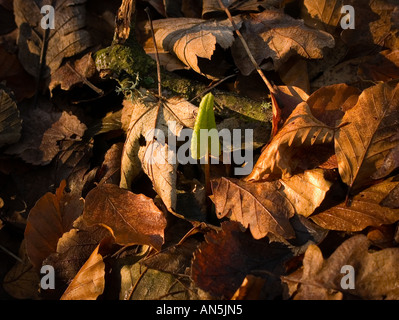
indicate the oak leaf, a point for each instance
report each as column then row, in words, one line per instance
column 375, row 273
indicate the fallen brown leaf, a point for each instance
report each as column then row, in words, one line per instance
column 222, row 262
column 131, row 218
column 10, row 122
column 323, row 15
column 258, row 206
column 362, row 145
column 306, row 191
column 375, row 273
column 191, row 39
column 89, row 283
column 142, row 118
column 21, row 282
column 52, row 215
column 363, row 211
column 275, row 35
column 68, row 38
column 329, row 103
column 45, row 133
column 301, row 129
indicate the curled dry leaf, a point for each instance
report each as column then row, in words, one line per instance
column 68, row 38
column 284, row 101
column 10, row 122
column 275, row 35
column 131, row 218
column 376, row 274
column 362, row 145
column 162, row 172
column 257, row 206
column 301, row 130
column 111, row 167
column 190, row 39
column 149, row 119
column 364, row 210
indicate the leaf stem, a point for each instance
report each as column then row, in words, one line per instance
column 248, row 51
column 147, row 11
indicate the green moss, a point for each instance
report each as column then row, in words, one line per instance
column 248, row 109
column 180, row 86
column 126, row 61
column 132, row 68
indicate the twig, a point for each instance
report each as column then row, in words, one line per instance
column 10, row 253
column 147, row 10
column 42, row 62
column 212, row 87
column 136, row 284
column 85, row 81
column 244, row 43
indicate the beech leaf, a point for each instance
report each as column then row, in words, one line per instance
column 363, row 144
column 68, row 38
column 322, row 14
column 275, row 35
column 306, row 191
column 10, row 122
column 257, row 206
column 300, row 130
column 89, row 283
column 363, row 211
column 131, row 218
column 52, row 215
